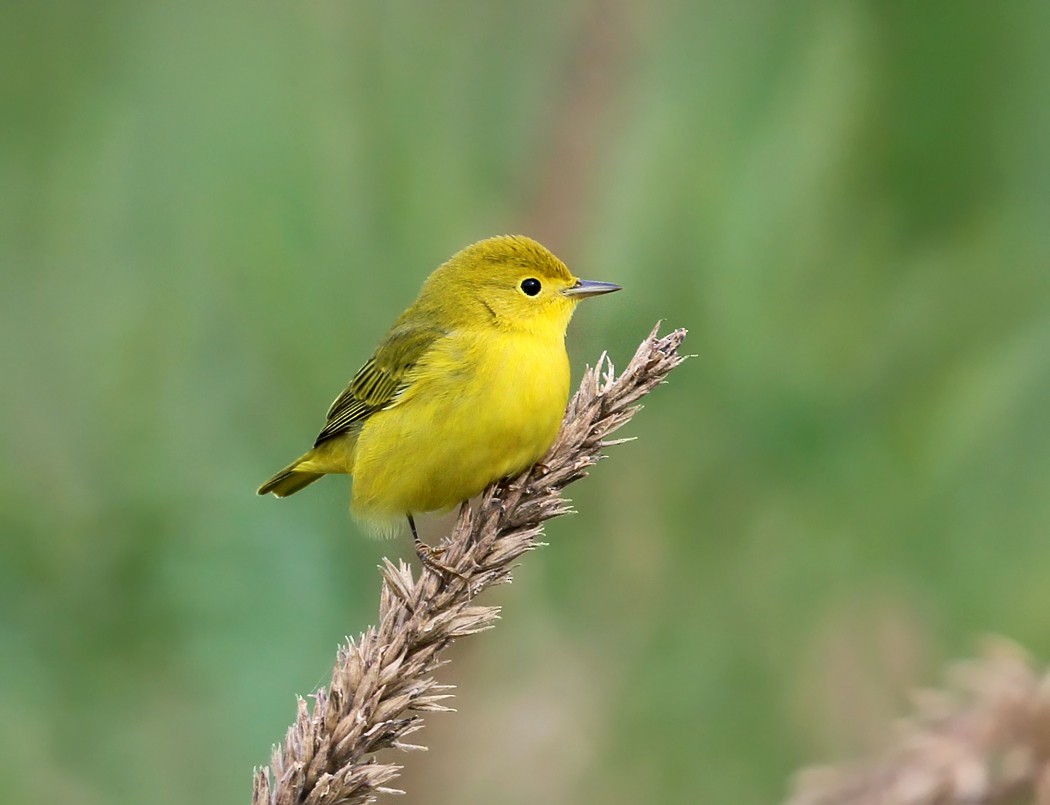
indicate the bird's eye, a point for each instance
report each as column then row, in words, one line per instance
column 531, row 286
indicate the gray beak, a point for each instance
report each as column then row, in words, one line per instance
column 585, row 288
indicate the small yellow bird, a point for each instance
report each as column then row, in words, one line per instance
column 467, row 387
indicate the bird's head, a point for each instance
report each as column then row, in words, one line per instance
column 513, row 283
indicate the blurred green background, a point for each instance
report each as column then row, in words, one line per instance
column 210, row 212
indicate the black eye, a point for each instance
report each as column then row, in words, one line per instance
column 531, row 287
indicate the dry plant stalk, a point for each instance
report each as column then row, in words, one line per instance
column 983, row 741
column 384, row 680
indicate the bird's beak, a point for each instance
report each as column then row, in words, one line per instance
column 584, row 288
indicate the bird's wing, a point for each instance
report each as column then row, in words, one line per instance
column 377, row 383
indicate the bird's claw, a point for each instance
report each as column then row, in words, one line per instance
column 430, row 558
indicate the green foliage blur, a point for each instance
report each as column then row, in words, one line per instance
column 209, row 213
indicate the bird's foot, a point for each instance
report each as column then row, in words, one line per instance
column 430, row 558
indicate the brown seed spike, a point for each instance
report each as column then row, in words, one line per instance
column 380, row 680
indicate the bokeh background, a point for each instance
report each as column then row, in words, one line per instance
column 209, row 212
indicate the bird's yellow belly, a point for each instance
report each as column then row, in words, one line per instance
column 475, row 413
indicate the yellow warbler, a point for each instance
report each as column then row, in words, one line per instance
column 468, row 386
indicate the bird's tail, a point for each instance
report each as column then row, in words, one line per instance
column 289, row 480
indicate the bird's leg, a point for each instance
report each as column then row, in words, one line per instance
column 428, row 556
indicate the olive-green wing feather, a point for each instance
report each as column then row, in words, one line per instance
column 378, row 383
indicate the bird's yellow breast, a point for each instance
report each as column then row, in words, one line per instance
column 482, row 405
